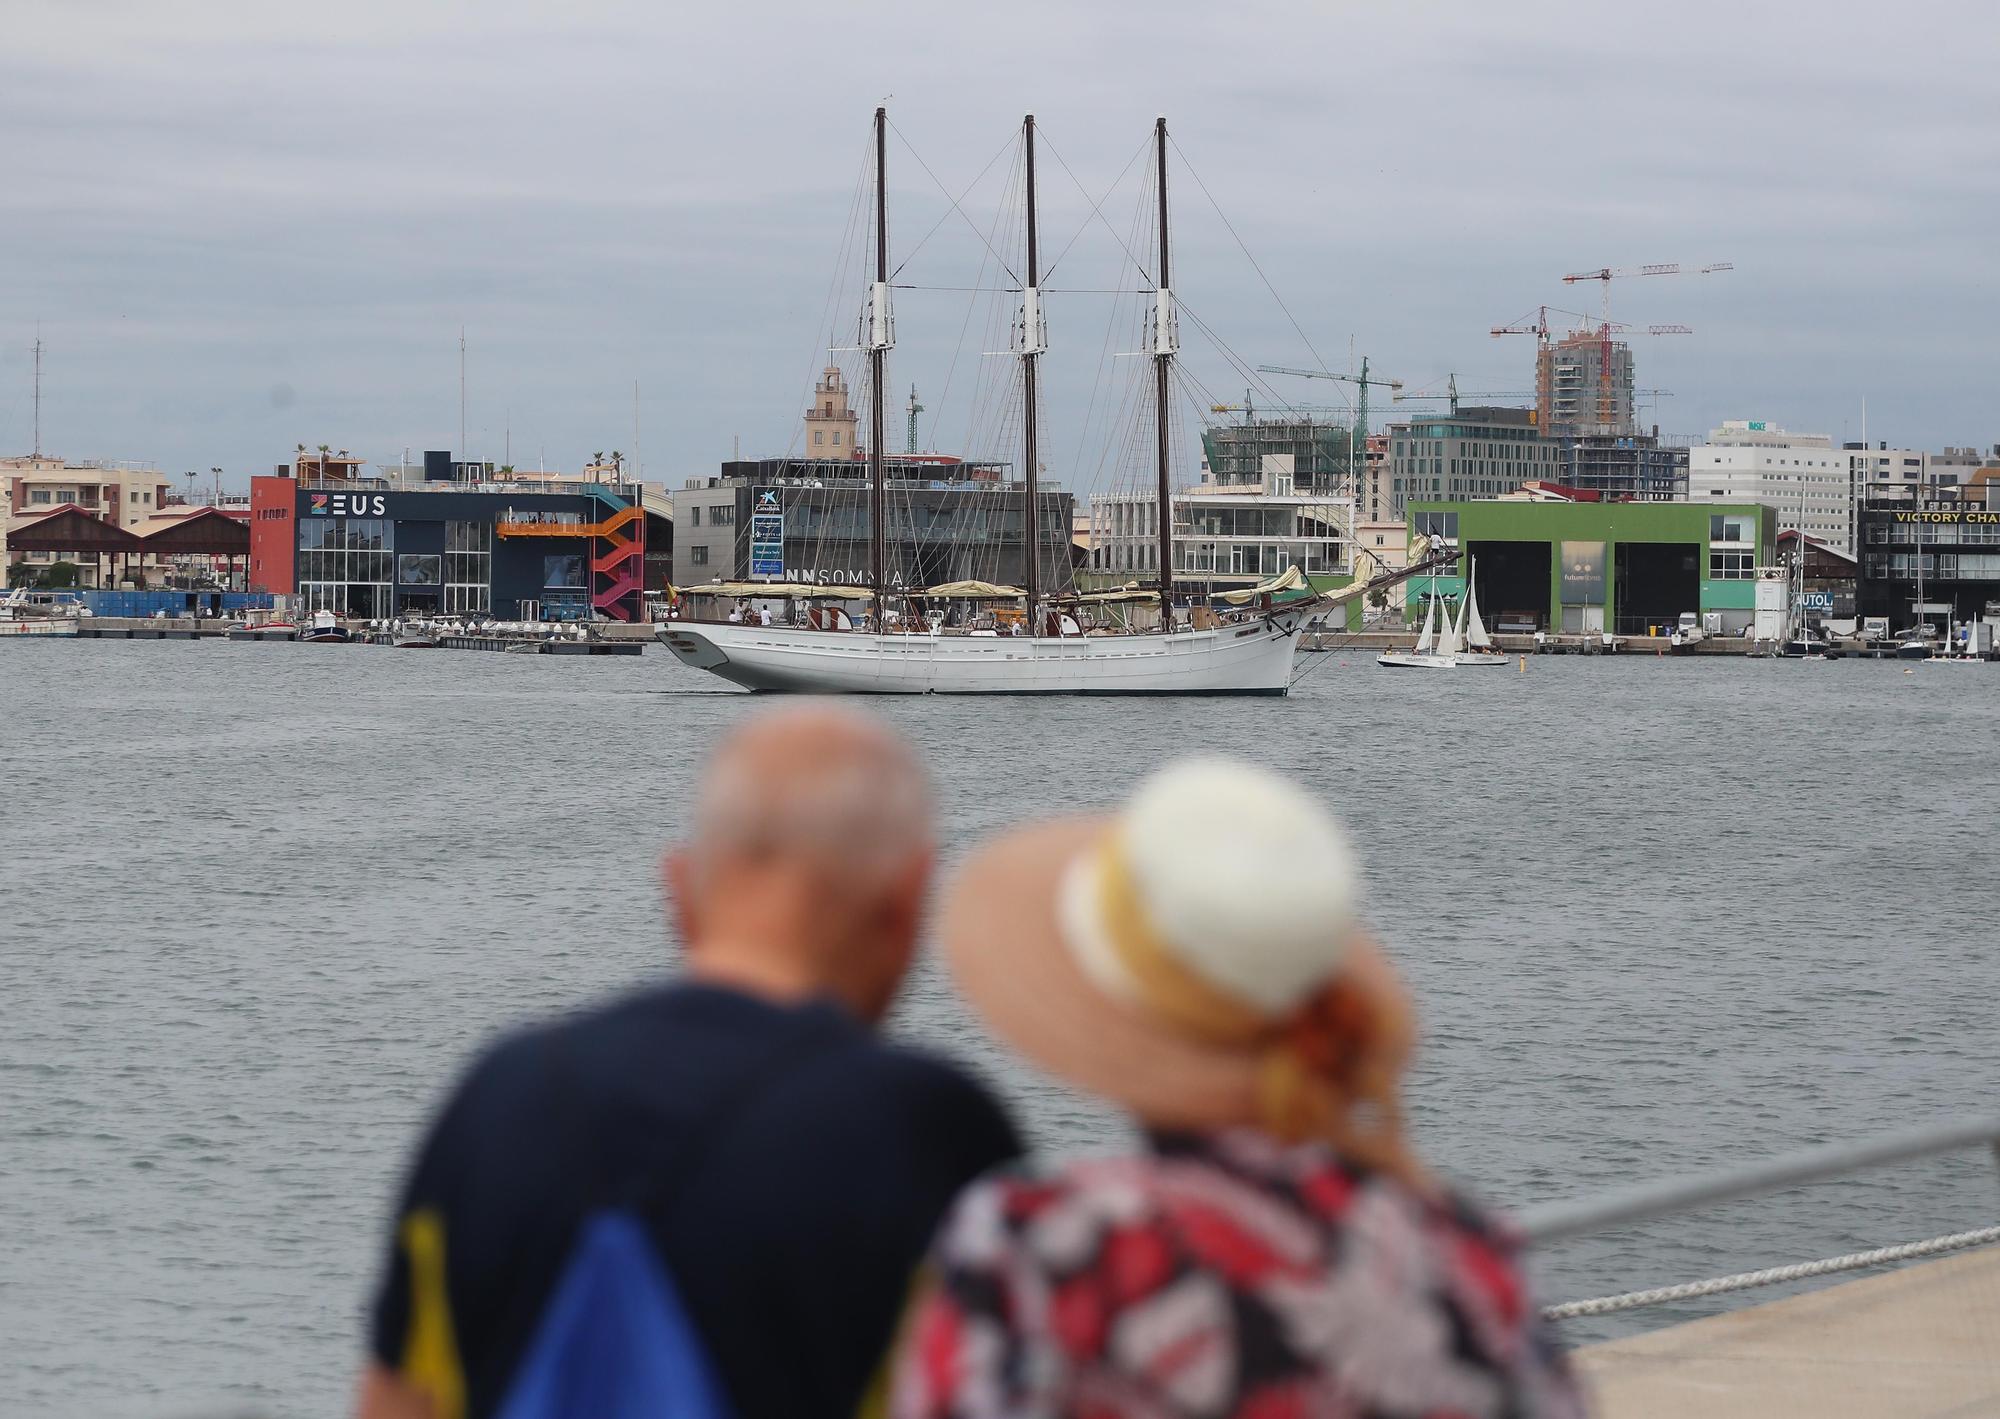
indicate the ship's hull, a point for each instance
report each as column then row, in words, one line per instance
column 1251, row 659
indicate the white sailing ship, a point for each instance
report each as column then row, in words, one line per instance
column 1243, row 652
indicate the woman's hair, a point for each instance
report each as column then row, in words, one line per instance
column 1334, row 1071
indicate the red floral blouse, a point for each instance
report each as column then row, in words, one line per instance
column 1227, row 1276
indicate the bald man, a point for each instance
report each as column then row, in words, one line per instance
column 788, row 1169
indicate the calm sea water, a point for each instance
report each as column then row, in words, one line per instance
column 258, row 903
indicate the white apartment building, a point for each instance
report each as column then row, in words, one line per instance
column 128, row 494
column 1226, row 536
column 1804, row 477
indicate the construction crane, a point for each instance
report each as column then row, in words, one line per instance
column 1248, row 408
column 915, row 409
column 1361, row 381
column 1604, row 276
column 1454, row 396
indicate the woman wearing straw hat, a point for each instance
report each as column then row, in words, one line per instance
column 1279, row 1250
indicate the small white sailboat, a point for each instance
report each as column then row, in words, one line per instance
column 1444, row 642
column 1477, row 647
column 1436, row 649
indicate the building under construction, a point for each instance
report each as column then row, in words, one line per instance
column 1627, row 467
column 1319, row 451
column 1573, row 396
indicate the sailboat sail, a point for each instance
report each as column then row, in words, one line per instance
column 1429, row 637
column 1450, row 637
column 1475, row 628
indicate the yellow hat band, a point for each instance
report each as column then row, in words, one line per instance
column 1166, row 987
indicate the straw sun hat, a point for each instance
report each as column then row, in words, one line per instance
column 1157, row 957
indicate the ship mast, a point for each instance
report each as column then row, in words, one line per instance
column 1034, row 340
column 880, row 338
column 1166, row 340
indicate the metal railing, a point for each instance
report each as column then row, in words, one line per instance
column 1559, row 1221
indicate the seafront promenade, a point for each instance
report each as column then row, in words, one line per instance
column 1922, row 1342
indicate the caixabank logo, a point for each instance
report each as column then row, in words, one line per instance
column 347, row 505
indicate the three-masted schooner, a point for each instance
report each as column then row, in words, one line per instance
column 1245, row 654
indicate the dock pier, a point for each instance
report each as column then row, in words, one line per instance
column 603, row 640
column 1905, row 1345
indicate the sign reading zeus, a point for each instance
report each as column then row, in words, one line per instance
column 347, row 505
column 767, row 533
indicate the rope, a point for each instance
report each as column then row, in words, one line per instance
column 1771, row 1276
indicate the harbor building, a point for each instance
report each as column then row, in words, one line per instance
column 1619, row 567
column 1226, row 536
column 806, row 520
column 1473, row 452
column 1803, row 476
column 461, row 539
column 1827, row 582
column 1958, row 466
column 1934, row 559
column 1884, row 473
column 124, row 494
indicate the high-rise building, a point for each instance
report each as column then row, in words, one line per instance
column 1808, row 481
column 1572, row 395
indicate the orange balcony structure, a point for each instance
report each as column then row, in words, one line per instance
column 617, row 552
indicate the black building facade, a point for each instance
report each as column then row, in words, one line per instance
column 799, row 520
column 1957, row 548
column 375, row 552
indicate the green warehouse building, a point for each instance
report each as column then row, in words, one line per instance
column 1620, row 567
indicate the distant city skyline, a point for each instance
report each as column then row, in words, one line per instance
column 239, row 229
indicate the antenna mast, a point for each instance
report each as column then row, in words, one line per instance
column 461, row 395
column 1166, row 340
column 38, row 394
column 915, row 409
column 1033, row 341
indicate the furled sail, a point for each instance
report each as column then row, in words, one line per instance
column 1291, row 579
column 741, row 590
column 974, row 591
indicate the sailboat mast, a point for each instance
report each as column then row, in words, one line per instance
column 1165, row 341
column 1032, row 345
column 878, row 361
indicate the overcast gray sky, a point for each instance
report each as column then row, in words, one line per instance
column 242, row 226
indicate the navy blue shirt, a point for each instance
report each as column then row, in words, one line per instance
column 790, row 1167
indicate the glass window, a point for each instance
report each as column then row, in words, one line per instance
column 698, row 556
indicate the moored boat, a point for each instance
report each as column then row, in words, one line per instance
column 325, row 629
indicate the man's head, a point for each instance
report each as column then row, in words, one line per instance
column 810, row 855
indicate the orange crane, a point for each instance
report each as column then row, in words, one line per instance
column 1604, row 276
